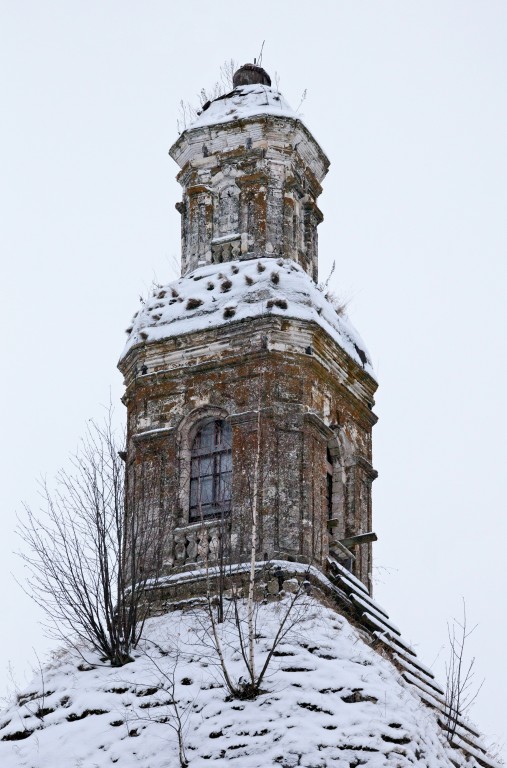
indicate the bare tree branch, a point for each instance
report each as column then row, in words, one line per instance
column 460, row 689
column 86, row 557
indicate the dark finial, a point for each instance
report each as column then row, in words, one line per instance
column 250, row 74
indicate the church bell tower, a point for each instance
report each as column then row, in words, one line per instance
column 248, row 392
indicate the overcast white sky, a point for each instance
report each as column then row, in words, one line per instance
column 409, row 101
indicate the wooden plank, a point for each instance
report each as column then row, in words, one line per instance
column 394, row 642
column 467, row 736
column 341, row 551
column 468, row 745
column 404, row 659
column 347, row 575
column 361, row 538
column 438, row 702
column 415, row 680
column 481, row 758
column 395, row 639
column 378, row 622
column 421, row 676
column 370, row 606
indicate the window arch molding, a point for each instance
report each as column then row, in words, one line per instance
column 339, row 452
column 188, row 429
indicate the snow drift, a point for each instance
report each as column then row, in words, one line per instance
column 219, row 294
column 330, row 699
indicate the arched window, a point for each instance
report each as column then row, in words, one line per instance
column 211, row 470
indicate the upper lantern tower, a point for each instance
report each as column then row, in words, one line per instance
column 251, row 175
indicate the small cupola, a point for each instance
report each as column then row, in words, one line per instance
column 250, row 74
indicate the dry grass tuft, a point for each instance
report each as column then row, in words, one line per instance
column 194, row 303
column 339, row 305
column 280, row 303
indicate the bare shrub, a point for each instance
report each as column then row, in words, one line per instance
column 460, row 688
column 165, row 683
column 239, row 630
column 338, row 303
column 189, row 112
column 88, row 560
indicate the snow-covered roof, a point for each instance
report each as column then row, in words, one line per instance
column 329, row 700
column 218, row 294
column 243, row 102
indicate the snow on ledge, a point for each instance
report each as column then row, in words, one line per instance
column 243, row 102
column 218, row 294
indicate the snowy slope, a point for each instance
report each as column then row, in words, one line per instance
column 243, row 102
column 218, row 294
column 330, row 700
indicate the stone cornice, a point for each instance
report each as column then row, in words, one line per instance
column 152, row 434
column 312, row 418
column 261, row 327
column 229, row 330
column 202, row 134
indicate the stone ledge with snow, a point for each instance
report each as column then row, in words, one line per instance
column 220, row 294
column 244, row 102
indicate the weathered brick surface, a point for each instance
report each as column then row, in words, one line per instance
column 304, row 408
column 250, row 190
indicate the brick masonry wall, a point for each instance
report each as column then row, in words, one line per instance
column 250, row 188
column 307, row 403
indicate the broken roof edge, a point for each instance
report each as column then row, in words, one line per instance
column 221, row 300
column 238, row 121
column 362, row 392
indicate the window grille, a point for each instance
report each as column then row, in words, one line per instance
column 211, row 471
